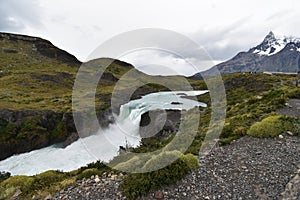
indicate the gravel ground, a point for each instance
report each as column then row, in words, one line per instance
column 105, row 187
column 249, row 168
column 292, row 108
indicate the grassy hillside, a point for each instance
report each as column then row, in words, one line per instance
column 40, row 77
column 36, row 75
column 252, row 103
column 36, row 83
column 31, row 78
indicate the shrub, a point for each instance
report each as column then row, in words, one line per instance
column 4, row 175
column 274, row 125
column 29, row 124
column 12, row 184
column 268, row 127
column 98, row 165
column 46, row 183
column 132, row 164
column 140, row 184
column 191, row 161
column 161, row 160
column 3, row 125
column 47, row 178
column 95, row 168
column 294, row 93
column 291, row 124
column 59, row 132
column 88, row 173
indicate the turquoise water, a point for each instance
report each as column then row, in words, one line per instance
column 104, row 144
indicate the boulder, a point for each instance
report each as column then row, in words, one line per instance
column 159, row 123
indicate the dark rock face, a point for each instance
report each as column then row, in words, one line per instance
column 109, row 77
column 105, row 118
column 162, row 125
column 9, row 50
column 27, row 130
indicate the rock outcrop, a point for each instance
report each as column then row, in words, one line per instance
column 27, row 130
column 163, row 123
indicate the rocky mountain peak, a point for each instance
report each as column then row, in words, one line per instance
column 273, row 44
column 270, row 38
column 273, row 54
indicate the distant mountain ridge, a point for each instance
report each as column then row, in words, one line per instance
column 42, row 46
column 273, row 54
column 273, row 44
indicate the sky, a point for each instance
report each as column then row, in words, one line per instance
column 221, row 28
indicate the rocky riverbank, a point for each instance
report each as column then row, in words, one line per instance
column 105, row 187
column 26, row 130
column 249, row 168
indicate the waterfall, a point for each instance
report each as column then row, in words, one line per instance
column 104, row 144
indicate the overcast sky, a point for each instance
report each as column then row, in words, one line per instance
column 223, row 28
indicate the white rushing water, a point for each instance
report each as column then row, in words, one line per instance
column 104, row 145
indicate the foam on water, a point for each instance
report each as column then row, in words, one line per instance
column 104, row 145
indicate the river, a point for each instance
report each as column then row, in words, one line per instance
column 105, row 142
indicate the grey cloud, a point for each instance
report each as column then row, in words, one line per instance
column 16, row 15
column 224, row 42
column 280, row 15
column 224, row 47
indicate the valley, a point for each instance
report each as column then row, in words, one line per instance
column 36, row 82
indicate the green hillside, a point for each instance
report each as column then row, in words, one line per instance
column 36, row 82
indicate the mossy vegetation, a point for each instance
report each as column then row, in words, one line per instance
column 4, row 175
column 39, row 186
column 273, row 126
column 250, row 111
column 88, row 173
column 140, row 184
column 29, row 80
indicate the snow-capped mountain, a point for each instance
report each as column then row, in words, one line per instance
column 273, row 44
column 273, row 54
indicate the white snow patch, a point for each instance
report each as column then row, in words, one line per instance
column 278, row 44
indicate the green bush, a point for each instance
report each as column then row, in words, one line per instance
column 59, row 132
column 96, row 167
column 228, row 140
column 140, row 184
column 11, row 129
column 12, row 184
column 291, row 124
column 132, row 164
column 4, row 175
column 191, row 161
column 47, row 182
column 29, row 124
column 48, row 178
column 88, row 173
column 269, row 127
column 162, row 159
column 294, row 93
column 3, row 125
column 274, row 125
